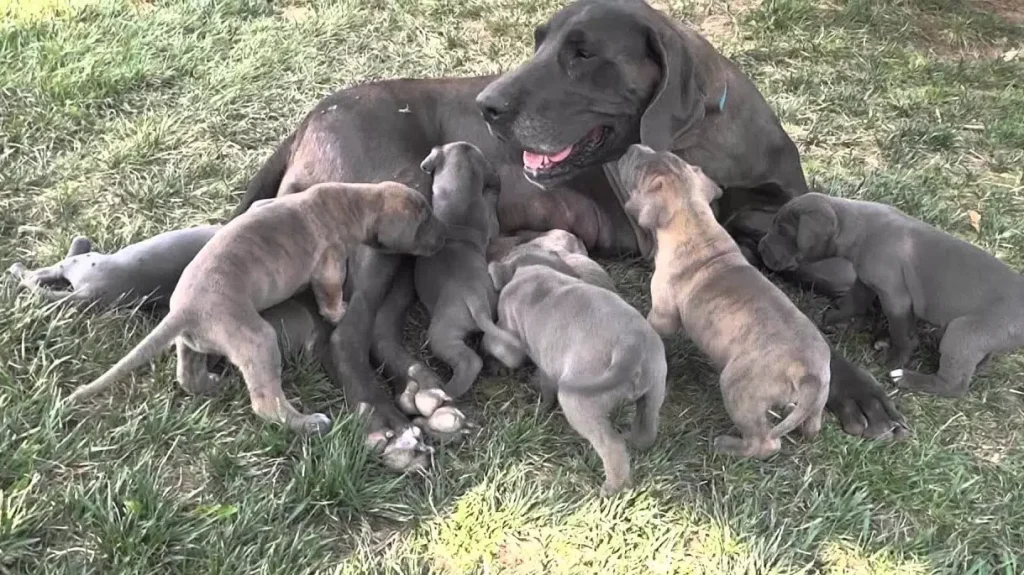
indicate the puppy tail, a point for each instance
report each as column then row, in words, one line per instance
column 810, row 398
column 483, row 321
column 153, row 344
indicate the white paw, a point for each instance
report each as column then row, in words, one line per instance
column 881, row 345
column 428, row 400
column 446, row 420
column 407, row 400
column 896, row 375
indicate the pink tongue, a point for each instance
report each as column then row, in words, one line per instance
column 540, row 161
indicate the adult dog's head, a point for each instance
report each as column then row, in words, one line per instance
column 804, row 231
column 605, row 74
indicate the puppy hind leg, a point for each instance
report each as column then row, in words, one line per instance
column 252, row 346
column 645, row 420
column 328, row 283
column 965, row 344
column 446, row 337
column 749, row 414
column 193, row 375
column 589, row 417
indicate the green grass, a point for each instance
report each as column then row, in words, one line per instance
column 122, row 119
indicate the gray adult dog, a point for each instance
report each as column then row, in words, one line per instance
column 260, row 260
column 605, row 74
column 915, row 270
column 561, row 243
column 768, row 351
column 453, row 283
column 591, row 349
column 147, row 270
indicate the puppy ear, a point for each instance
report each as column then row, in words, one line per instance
column 649, row 210
column 817, row 229
column 711, row 191
column 678, row 103
column 500, row 274
column 429, row 164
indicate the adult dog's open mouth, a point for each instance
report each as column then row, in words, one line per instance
column 542, row 167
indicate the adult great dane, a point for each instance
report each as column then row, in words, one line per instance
column 604, row 74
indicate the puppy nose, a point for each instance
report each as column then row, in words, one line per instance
column 495, row 108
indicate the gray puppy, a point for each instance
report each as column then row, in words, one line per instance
column 453, row 283
column 915, row 270
column 147, row 270
column 262, row 258
column 566, row 246
column 591, row 349
column 769, row 353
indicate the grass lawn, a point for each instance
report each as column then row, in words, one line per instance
column 119, row 120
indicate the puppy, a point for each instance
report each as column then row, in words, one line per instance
column 915, row 270
column 565, row 245
column 261, row 259
column 147, row 270
column 591, row 349
column 769, row 353
column 453, row 283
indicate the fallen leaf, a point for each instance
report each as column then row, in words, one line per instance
column 975, row 220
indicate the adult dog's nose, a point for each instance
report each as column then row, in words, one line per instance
column 495, row 107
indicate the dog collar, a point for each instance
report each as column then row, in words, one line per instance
column 721, row 101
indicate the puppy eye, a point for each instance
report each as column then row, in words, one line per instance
column 583, row 54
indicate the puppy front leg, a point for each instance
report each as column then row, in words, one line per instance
column 328, row 283
column 898, row 309
column 511, row 356
column 664, row 316
column 853, row 303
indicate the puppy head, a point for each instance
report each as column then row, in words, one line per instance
column 658, row 183
column 460, row 170
column 804, row 231
column 406, row 223
column 560, row 241
column 502, row 272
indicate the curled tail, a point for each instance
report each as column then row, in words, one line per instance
column 811, row 397
column 268, row 178
column 482, row 317
column 151, row 346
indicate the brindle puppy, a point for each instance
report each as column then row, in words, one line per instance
column 769, row 352
column 263, row 258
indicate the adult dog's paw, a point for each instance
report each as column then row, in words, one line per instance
column 864, row 410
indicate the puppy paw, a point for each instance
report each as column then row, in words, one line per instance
column 17, row 270
column 334, row 314
column 834, row 316
column 446, row 419
column 407, row 452
column 896, row 358
column 609, row 487
column 429, row 400
column 896, row 375
column 316, row 424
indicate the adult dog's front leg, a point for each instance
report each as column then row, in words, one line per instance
column 348, row 364
column 328, row 283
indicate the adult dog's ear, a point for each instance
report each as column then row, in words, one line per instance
column 429, row 164
column 500, row 273
column 678, row 103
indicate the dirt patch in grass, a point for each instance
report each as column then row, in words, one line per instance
column 1010, row 10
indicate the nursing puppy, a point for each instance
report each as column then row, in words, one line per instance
column 915, row 270
column 591, row 349
column 147, row 270
column 259, row 260
column 453, row 283
column 565, row 245
column 769, row 353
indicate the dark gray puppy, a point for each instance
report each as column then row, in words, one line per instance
column 915, row 270
column 591, row 348
column 147, row 270
column 453, row 283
